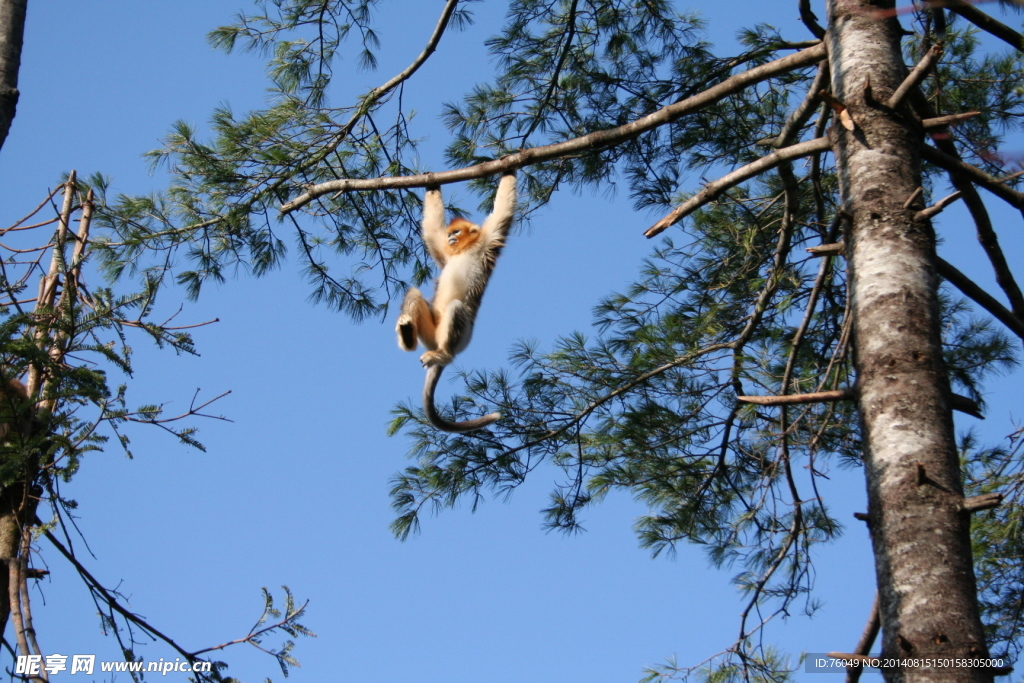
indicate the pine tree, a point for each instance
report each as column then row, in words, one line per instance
column 736, row 364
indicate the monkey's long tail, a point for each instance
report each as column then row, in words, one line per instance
column 433, row 375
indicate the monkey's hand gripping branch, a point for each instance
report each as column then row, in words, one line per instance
column 433, row 375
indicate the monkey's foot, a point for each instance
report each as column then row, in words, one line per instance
column 435, row 358
column 406, row 332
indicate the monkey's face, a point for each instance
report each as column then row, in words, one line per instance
column 461, row 235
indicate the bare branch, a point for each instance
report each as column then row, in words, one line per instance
column 374, row 95
column 810, row 19
column 974, row 174
column 97, row 588
column 934, row 209
column 981, row 297
column 949, row 119
column 570, row 34
column 713, row 189
column 586, row 143
column 916, row 75
column 965, row 405
column 976, row 206
column 48, row 285
column 913, row 197
column 983, row 502
column 867, row 639
column 795, row 399
column 435, row 38
column 835, row 249
column 803, row 112
column 35, row 211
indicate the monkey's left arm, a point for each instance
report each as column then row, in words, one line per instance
column 497, row 224
column 434, row 231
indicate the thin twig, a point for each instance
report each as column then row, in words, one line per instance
column 913, row 197
column 254, row 634
column 937, row 207
column 19, row 228
column 569, row 35
column 36, row 210
column 97, row 588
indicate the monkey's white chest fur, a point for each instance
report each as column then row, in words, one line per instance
column 462, row 279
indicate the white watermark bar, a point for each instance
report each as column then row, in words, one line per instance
column 34, row 665
column 822, row 663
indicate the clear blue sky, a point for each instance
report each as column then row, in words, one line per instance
column 294, row 490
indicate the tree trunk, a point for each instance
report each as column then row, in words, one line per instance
column 12, row 33
column 920, row 534
column 17, row 511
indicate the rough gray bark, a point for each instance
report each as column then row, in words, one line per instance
column 920, row 535
column 12, row 33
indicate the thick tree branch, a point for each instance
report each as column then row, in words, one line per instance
column 586, row 143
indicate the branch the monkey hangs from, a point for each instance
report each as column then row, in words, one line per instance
column 466, row 254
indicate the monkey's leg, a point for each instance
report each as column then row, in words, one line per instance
column 453, row 332
column 416, row 320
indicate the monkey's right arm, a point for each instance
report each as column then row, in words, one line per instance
column 435, row 232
